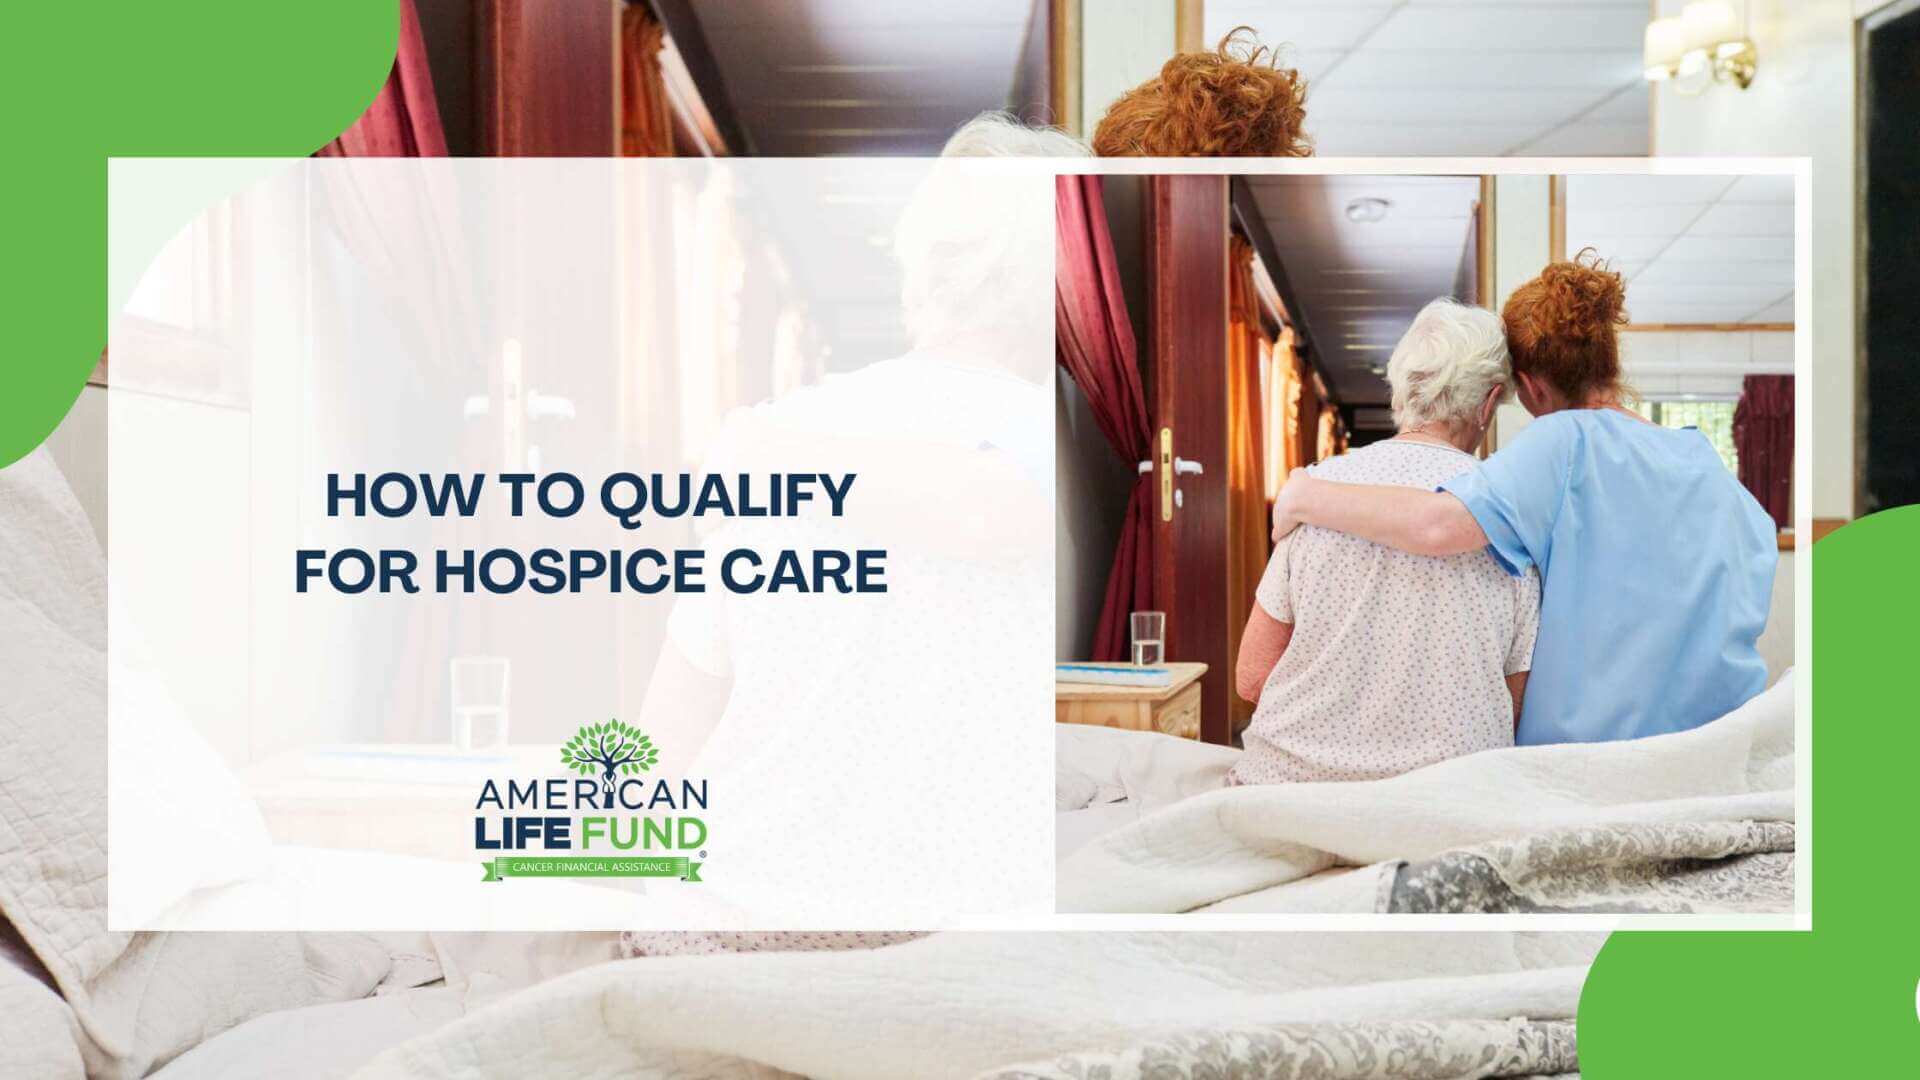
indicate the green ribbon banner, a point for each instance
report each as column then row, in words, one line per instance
column 545, row 866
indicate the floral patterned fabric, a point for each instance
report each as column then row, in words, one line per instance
column 1739, row 866
column 636, row 943
column 1406, row 1050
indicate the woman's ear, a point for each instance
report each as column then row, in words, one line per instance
column 1492, row 404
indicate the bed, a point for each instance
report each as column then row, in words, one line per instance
column 1696, row 821
column 79, row 999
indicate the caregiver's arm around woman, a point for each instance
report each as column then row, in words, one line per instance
column 1421, row 522
column 1656, row 565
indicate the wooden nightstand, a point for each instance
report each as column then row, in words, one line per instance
column 1171, row 710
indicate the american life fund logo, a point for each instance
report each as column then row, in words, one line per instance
column 612, row 819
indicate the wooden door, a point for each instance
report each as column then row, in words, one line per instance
column 1187, row 339
column 544, row 78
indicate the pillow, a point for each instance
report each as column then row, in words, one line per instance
column 136, row 999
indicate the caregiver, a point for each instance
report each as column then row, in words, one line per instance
column 1656, row 565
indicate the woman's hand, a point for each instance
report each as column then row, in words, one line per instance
column 1286, row 505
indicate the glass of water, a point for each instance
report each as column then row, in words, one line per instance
column 1149, row 637
column 479, row 697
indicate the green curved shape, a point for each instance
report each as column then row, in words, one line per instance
column 85, row 82
column 1841, row 998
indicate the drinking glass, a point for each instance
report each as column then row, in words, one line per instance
column 479, row 697
column 1149, row 637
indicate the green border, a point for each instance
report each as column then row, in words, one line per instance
column 255, row 78
column 194, row 78
column 1840, row 1000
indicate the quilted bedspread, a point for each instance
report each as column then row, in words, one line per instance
column 1070, row 1004
column 1694, row 821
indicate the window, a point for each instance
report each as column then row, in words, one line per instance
column 1713, row 418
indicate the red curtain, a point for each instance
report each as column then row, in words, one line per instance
column 1094, row 343
column 1763, row 437
column 404, row 120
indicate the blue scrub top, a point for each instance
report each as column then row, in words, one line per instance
column 1656, row 570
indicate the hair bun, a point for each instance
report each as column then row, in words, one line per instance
column 1235, row 101
column 1582, row 300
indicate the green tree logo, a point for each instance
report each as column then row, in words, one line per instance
column 612, row 749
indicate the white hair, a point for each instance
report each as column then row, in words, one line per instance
column 975, row 243
column 1445, row 365
column 999, row 134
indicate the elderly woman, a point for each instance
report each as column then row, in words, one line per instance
column 1367, row 662
column 1656, row 565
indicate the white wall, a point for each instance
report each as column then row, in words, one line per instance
column 1800, row 104
column 1522, row 244
column 1123, row 43
column 1663, row 364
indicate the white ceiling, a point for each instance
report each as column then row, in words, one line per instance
column 1460, row 77
column 1358, row 285
column 1695, row 249
column 813, row 78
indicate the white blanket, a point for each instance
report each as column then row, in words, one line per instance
column 956, row 1004
column 1230, row 842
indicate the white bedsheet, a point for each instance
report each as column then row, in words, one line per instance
column 325, row 1042
column 1184, row 853
column 955, row 1004
column 321, row 1042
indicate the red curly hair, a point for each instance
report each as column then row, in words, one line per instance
column 1224, row 103
column 1564, row 326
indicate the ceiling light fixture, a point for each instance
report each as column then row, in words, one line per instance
column 1366, row 210
column 1706, row 43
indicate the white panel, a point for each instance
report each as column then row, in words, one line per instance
column 1436, row 140
column 1746, row 219
column 1647, row 351
column 1431, row 71
column 1652, row 384
column 1620, row 251
column 1716, row 350
column 1589, row 139
column 1772, row 352
column 1642, row 220
column 1658, row 311
column 1723, row 248
column 1669, row 270
column 1770, row 189
column 1628, row 105
column 1520, row 106
column 1512, row 26
column 1600, row 191
column 1123, row 44
column 1305, row 26
column 1698, row 291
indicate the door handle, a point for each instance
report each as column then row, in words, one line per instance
column 1171, row 467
